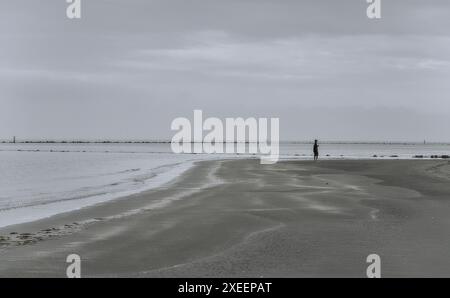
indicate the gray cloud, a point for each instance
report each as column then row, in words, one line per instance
column 127, row 68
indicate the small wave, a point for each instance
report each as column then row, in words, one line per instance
column 87, row 196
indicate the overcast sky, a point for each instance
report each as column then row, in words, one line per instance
column 129, row 67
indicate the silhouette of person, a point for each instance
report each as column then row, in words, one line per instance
column 316, row 150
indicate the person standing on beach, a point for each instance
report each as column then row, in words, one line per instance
column 316, row 150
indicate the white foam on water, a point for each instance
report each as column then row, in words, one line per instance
column 17, row 215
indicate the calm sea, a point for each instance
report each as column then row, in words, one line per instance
column 40, row 180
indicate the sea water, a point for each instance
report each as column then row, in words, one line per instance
column 41, row 180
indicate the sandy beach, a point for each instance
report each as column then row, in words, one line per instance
column 238, row 218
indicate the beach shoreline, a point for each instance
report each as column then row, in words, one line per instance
column 238, row 218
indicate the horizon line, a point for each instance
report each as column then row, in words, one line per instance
column 163, row 141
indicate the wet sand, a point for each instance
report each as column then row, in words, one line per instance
column 238, row 218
